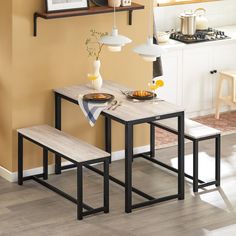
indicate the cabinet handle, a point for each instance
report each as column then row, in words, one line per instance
column 213, row 72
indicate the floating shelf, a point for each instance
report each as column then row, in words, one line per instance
column 91, row 11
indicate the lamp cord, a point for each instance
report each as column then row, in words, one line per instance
column 114, row 17
column 150, row 19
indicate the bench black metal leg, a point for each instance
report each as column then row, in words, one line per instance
column 106, row 186
column 181, row 156
column 128, row 167
column 108, row 135
column 20, row 159
column 79, row 191
column 195, row 166
column 218, row 154
column 152, row 140
column 57, row 126
column 45, row 164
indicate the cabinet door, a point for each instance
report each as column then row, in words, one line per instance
column 224, row 57
column 197, row 82
column 172, row 74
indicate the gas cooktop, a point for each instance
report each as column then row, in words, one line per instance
column 200, row 36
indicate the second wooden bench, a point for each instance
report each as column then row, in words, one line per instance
column 195, row 132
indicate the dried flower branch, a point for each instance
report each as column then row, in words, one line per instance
column 93, row 46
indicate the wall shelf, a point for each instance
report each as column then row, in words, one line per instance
column 91, row 11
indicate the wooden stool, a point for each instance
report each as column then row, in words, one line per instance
column 230, row 100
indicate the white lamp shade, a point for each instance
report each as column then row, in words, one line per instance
column 114, row 39
column 149, row 51
column 114, row 48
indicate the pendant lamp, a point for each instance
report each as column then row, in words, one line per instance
column 149, row 51
column 114, row 41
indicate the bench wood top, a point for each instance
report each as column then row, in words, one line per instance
column 193, row 129
column 63, row 143
column 129, row 110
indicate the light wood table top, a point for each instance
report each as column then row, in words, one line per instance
column 129, row 111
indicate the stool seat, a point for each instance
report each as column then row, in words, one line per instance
column 229, row 73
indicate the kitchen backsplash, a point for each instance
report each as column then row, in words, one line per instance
column 218, row 13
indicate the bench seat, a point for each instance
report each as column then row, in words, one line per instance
column 63, row 143
column 193, row 129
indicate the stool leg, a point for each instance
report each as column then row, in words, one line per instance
column 218, row 100
column 106, row 186
column 195, row 166
column 152, row 140
column 45, row 164
column 79, row 191
column 20, row 159
column 234, row 89
column 218, row 155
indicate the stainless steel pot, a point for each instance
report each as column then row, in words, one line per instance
column 188, row 23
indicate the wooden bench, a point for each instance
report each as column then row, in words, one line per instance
column 195, row 132
column 73, row 150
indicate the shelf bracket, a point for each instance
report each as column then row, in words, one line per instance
column 130, row 17
column 35, row 24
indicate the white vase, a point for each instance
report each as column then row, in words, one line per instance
column 97, row 83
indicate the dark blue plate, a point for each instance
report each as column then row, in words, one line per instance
column 100, row 3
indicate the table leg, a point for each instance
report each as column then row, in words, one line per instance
column 45, row 164
column 57, row 126
column 181, row 156
column 108, row 135
column 152, row 140
column 128, row 167
column 20, row 159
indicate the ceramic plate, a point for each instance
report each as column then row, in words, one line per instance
column 98, row 97
column 141, row 95
column 100, row 2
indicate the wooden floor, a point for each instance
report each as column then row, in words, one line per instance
column 33, row 210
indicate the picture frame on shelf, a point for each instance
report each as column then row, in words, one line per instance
column 66, row 5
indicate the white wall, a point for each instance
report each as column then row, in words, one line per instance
column 218, row 13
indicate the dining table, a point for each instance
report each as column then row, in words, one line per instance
column 130, row 113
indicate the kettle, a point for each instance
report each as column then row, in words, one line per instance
column 201, row 20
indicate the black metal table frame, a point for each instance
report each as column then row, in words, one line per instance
column 129, row 156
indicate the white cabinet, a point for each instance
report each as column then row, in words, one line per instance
column 188, row 81
column 224, row 57
column 172, row 75
column 197, row 82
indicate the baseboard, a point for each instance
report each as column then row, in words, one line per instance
column 12, row 176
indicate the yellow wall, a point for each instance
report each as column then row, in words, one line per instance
column 5, row 84
column 57, row 58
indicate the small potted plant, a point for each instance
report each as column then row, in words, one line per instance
column 94, row 49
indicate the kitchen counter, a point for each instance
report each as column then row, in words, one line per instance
column 175, row 45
